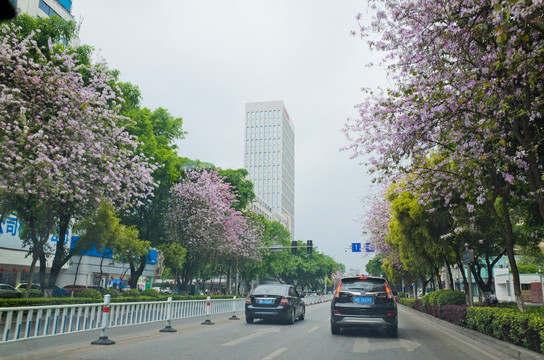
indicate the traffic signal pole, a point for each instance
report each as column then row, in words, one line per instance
column 309, row 247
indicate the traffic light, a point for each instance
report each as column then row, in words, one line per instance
column 309, row 247
column 293, row 247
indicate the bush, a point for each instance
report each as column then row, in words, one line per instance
column 131, row 293
column 443, row 297
column 89, row 294
column 418, row 305
column 455, row 314
column 527, row 269
column 508, row 324
column 407, row 302
column 150, row 293
column 113, row 293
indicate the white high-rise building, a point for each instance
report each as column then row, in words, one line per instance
column 45, row 8
column 270, row 160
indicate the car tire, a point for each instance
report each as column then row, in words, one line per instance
column 335, row 329
column 249, row 320
column 393, row 331
column 303, row 314
column 291, row 319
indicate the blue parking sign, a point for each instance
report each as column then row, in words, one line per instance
column 355, row 247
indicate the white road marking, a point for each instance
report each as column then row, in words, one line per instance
column 362, row 345
column 313, row 329
column 275, row 354
column 251, row 336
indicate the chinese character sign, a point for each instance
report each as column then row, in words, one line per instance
column 10, row 234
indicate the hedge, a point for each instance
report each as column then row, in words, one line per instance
column 5, row 302
column 504, row 322
column 407, row 302
column 522, row 329
column 443, row 297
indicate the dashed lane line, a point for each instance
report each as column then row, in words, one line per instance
column 275, row 354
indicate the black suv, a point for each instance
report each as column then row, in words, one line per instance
column 364, row 302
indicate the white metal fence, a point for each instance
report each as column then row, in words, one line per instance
column 18, row 323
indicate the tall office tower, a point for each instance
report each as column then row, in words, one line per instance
column 45, row 8
column 270, row 160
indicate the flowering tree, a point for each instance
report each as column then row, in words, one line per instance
column 201, row 218
column 63, row 145
column 468, row 78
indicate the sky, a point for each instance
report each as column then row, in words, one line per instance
column 204, row 60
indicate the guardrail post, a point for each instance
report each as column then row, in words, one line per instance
column 233, row 317
column 207, row 321
column 103, row 339
column 168, row 327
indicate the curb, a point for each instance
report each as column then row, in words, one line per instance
column 477, row 338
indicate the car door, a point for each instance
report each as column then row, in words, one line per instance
column 295, row 298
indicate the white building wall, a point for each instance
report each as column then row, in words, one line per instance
column 269, row 158
column 32, row 8
column 504, row 283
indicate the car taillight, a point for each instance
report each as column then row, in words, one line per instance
column 337, row 291
column 248, row 300
column 389, row 293
column 284, row 301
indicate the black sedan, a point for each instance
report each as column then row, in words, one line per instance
column 8, row 291
column 275, row 302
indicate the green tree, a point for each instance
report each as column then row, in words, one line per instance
column 157, row 131
column 374, row 266
column 174, row 256
column 243, row 187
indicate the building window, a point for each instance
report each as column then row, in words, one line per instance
column 47, row 9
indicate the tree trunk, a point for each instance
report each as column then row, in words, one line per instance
column 450, row 275
column 136, row 272
column 31, row 274
column 506, row 228
column 61, row 255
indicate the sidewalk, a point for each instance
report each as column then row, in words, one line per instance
column 477, row 338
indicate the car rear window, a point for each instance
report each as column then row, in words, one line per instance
column 270, row 290
column 363, row 284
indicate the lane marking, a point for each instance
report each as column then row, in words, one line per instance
column 362, row 345
column 251, row 336
column 313, row 329
column 275, row 354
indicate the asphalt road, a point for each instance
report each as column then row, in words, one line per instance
column 235, row 340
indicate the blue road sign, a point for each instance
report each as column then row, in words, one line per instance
column 355, row 247
column 369, row 247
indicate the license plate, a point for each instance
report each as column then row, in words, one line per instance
column 265, row 301
column 363, row 299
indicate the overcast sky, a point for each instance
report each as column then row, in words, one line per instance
column 204, row 60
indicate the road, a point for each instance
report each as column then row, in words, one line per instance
column 234, row 340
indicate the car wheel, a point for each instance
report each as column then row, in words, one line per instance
column 249, row 320
column 393, row 331
column 335, row 329
column 303, row 314
column 292, row 317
